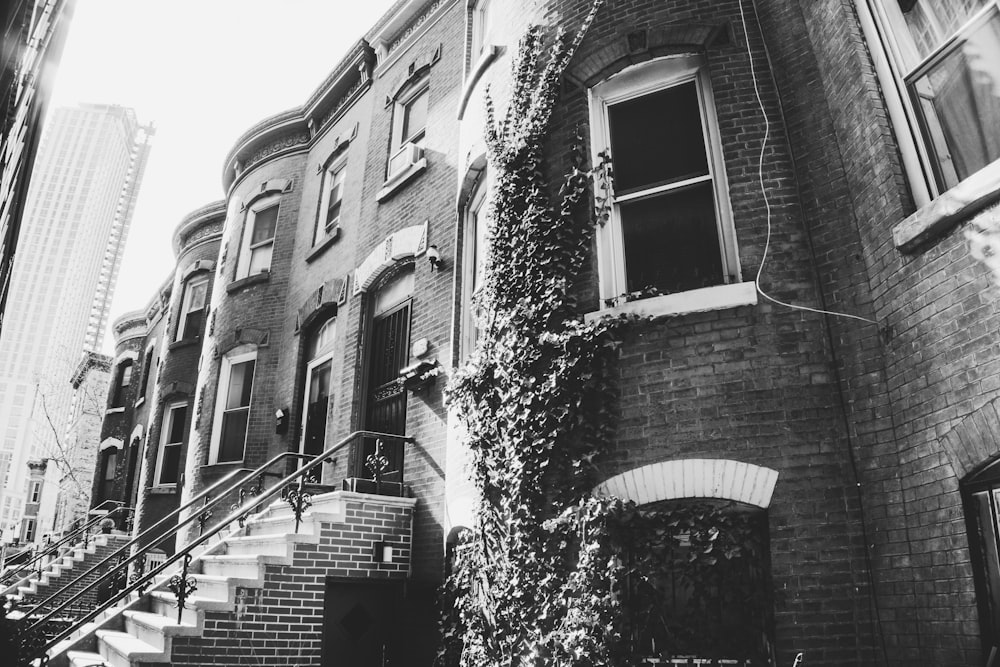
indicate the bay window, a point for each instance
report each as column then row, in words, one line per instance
column 258, row 238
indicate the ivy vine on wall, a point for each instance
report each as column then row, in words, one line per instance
column 544, row 576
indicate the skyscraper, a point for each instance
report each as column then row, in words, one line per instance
column 79, row 207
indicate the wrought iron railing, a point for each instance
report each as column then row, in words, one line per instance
column 11, row 579
column 36, row 641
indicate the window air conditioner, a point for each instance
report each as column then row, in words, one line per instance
column 405, row 157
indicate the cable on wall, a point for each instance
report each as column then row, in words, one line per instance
column 767, row 202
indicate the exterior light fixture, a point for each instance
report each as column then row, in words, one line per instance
column 281, row 421
column 434, row 257
column 384, row 552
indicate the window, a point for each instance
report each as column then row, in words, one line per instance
column 35, row 493
column 28, row 531
column 476, row 253
column 943, row 56
column 258, row 238
column 109, row 461
column 330, row 203
column 147, row 366
column 981, row 497
column 671, row 227
column 171, row 441
column 480, row 16
column 233, row 407
column 409, row 119
column 193, row 308
column 319, row 367
column 122, row 383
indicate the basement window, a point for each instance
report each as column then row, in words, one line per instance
column 670, row 228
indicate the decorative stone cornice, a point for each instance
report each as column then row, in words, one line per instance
column 199, row 225
column 129, row 325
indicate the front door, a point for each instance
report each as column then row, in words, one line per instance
column 386, row 400
column 360, row 622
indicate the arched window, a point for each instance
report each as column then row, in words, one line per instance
column 318, row 379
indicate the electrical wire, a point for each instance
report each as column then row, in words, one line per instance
column 767, row 202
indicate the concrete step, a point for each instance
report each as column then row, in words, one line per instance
column 247, row 566
column 223, row 588
column 277, row 544
column 156, row 629
column 85, row 659
column 165, row 604
column 120, row 649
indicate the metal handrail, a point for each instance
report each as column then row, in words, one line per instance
column 51, row 548
column 149, row 532
column 238, row 514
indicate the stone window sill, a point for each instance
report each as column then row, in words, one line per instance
column 323, row 244
column 138, row 403
column 114, row 411
column 237, row 285
column 694, row 301
column 182, row 343
column 221, row 466
column 163, row 490
column 950, row 208
column 397, row 181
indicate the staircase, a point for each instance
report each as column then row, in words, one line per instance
column 259, row 592
column 64, row 569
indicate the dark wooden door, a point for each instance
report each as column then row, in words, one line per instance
column 361, row 623
column 385, row 410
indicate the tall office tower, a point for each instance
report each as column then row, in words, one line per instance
column 79, row 207
column 34, row 32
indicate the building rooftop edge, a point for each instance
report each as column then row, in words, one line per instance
column 195, row 219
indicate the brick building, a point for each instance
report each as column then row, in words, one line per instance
column 819, row 347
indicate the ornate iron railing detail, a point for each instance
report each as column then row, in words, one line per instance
column 205, row 515
column 299, row 501
column 34, row 626
column 181, row 585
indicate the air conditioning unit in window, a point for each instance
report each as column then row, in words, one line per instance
column 405, row 157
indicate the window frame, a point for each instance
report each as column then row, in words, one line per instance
column 881, row 26
column 247, row 248
column 166, row 425
column 398, row 143
column 323, row 230
column 324, row 354
column 475, row 214
column 126, row 367
column 35, row 491
column 189, row 285
column 632, row 83
column 146, row 371
column 225, row 373
column 479, row 17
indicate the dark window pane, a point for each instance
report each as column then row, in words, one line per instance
column 234, row 434
column 657, row 139
column 415, row 116
column 263, row 224
column 192, row 323
column 959, row 103
column 171, row 464
column 177, row 418
column 671, row 241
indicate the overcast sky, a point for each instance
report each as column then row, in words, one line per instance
column 203, row 71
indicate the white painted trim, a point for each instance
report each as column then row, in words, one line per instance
column 136, row 433
column 724, row 479
column 108, row 443
column 167, row 413
column 693, row 301
column 243, row 262
column 235, row 357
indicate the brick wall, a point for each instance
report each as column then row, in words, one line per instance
column 282, row 622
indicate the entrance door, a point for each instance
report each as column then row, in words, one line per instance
column 386, row 400
column 361, row 622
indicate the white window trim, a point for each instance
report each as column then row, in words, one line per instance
column 310, row 367
column 165, row 424
column 397, row 142
column 243, row 265
column 220, row 403
column 634, row 82
column 474, row 214
column 335, row 167
column 35, row 492
column 186, row 303
column 478, row 14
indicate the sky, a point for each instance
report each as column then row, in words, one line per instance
column 203, row 71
